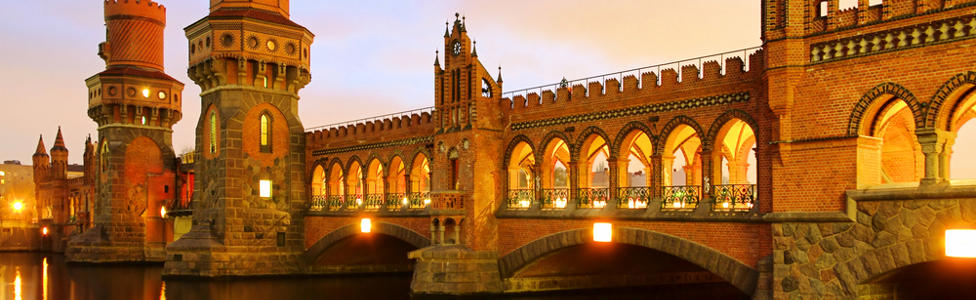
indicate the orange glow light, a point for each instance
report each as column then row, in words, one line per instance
column 162, row 211
column 602, row 232
column 18, row 206
column 44, row 231
column 960, row 243
column 365, row 225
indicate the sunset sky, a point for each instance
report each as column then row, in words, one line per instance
column 369, row 57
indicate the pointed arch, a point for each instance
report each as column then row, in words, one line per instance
column 513, row 144
column 727, row 116
column 556, row 135
column 628, row 128
column 671, row 125
column 865, row 106
column 586, row 133
column 951, row 91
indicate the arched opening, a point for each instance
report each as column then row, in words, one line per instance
column 336, row 187
column 452, row 232
column 521, row 178
column 594, row 170
column 265, row 133
column 682, row 169
column 634, row 189
column 939, row 279
column 901, row 155
column 734, row 163
column 384, row 248
column 555, row 175
column 420, row 182
column 397, row 185
column 354, row 185
column 319, row 187
column 962, row 137
column 373, row 199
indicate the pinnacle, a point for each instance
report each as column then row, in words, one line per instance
column 59, row 142
column 437, row 58
column 499, row 80
column 40, row 146
column 474, row 49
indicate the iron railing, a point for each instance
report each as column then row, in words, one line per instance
column 429, row 109
column 680, row 197
column 656, row 69
column 520, row 198
column 318, row 202
column 419, row 200
column 734, row 197
column 593, row 197
column 556, row 198
column 335, row 202
column 354, row 201
column 633, row 197
column 396, row 201
column 373, row 201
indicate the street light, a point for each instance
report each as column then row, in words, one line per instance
column 17, row 206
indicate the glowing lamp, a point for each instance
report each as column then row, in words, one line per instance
column 145, row 93
column 426, row 202
column 18, row 206
column 162, row 211
column 960, row 243
column 2, row 173
column 406, row 202
column 725, row 205
column 359, row 201
column 265, row 188
column 44, row 231
column 602, row 232
column 365, row 225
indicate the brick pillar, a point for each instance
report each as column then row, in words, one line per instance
column 573, row 174
column 613, row 182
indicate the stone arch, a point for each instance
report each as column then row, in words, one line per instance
column 403, row 233
column 511, row 147
column 581, row 139
column 408, row 164
column 629, row 127
column 334, row 162
column 736, row 273
column 935, row 115
column 317, row 163
column 555, row 135
column 352, row 159
column 725, row 118
column 866, row 101
column 671, row 125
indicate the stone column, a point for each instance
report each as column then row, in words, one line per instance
column 933, row 143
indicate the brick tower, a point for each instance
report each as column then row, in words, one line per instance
column 250, row 60
column 135, row 105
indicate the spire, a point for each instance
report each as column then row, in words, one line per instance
column 437, row 58
column 446, row 26
column 474, row 49
column 499, row 79
column 40, row 147
column 59, row 142
column 463, row 27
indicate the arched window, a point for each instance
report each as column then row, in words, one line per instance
column 594, row 173
column 734, row 167
column 213, row 132
column 681, row 166
column 634, row 182
column 265, row 137
column 521, row 192
column 555, row 175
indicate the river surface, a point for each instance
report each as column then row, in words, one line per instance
column 46, row 276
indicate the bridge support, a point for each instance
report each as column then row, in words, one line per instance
column 455, row 270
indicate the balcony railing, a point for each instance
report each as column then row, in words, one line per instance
column 734, row 197
column 555, row 198
column 373, row 201
column 396, row 201
column 354, row 201
column 680, row 197
column 593, row 197
column 318, row 202
column 335, row 202
column 633, row 197
column 520, row 198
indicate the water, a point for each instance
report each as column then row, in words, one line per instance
column 46, row 276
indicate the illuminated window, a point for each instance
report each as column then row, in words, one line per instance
column 960, row 243
column 265, row 188
column 265, row 133
column 213, row 132
column 602, row 232
column 365, row 225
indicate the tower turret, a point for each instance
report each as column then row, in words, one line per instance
column 276, row 6
column 59, row 158
column 42, row 162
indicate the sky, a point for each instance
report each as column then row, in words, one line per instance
column 369, row 57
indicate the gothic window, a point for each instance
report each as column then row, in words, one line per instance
column 265, row 133
column 213, row 132
column 485, row 88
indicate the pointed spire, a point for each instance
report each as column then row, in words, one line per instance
column 88, row 140
column 463, row 27
column 446, row 26
column 59, row 142
column 40, row 147
column 499, row 79
column 437, row 58
column 474, row 49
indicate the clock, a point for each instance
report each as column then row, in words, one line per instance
column 456, row 48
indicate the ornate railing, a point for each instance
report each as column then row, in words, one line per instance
column 318, row 202
column 396, row 201
column 680, row 197
column 555, row 198
column 335, row 202
column 354, row 201
column 520, row 198
column 373, row 201
column 593, row 197
column 633, row 197
column 419, row 200
column 734, row 197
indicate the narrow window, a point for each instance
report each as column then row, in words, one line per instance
column 213, row 132
column 265, row 133
column 265, row 188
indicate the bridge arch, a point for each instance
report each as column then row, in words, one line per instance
column 402, row 233
column 736, row 273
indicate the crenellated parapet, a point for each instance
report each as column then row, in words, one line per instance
column 636, row 87
column 384, row 129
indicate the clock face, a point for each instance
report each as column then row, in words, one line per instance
column 456, row 48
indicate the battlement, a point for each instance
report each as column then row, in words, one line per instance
column 701, row 72
column 139, row 8
column 826, row 15
column 397, row 125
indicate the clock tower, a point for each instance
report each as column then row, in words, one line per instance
column 250, row 60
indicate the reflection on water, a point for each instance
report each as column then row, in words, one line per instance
column 45, row 276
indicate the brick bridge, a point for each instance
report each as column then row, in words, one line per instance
column 815, row 165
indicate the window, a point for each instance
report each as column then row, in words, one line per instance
column 265, row 188
column 213, row 132
column 265, row 133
